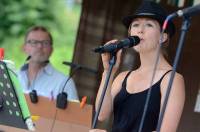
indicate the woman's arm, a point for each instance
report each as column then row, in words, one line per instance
column 111, row 92
column 175, row 102
column 106, row 107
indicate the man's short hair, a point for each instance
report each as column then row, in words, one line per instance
column 38, row 28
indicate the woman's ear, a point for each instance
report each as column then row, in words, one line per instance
column 129, row 30
column 165, row 38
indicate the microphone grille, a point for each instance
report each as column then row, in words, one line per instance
column 134, row 40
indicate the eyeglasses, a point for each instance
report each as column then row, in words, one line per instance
column 34, row 43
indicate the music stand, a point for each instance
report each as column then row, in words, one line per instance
column 10, row 113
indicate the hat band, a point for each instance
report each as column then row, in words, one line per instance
column 145, row 14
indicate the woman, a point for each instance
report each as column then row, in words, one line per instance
column 126, row 94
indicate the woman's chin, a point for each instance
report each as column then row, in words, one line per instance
column 141, row 49
column 138, row 48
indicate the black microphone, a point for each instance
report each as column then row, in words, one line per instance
column 28, row 58
column 33, row 96
column 187, row 12
column 125, row 43
column 61, row 100
column 73, row 65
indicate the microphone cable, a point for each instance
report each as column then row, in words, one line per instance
column 74, row 71
column 54, row 120
column 33, row 94
column 62, row 97
column 82, row 67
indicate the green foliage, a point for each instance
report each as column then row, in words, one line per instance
column 18, row 15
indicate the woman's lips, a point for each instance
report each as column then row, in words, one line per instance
column 141, row 40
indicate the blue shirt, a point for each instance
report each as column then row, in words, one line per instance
column 48, row 83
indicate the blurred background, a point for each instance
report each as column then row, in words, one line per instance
column 61, row 17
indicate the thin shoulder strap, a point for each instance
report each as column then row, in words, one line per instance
column 164, row 75
column 125, row 79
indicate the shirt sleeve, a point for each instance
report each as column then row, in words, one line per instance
column 71, row 91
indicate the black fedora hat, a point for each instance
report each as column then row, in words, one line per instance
column 152, row 10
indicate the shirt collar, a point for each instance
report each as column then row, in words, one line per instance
column 48, row 69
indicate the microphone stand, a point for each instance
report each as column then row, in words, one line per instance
column 73, row 72
column 112, row 62
column 184, row 28
column 80, row 66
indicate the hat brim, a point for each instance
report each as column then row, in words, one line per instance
column 128, row 20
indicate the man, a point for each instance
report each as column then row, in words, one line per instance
column 38, row 74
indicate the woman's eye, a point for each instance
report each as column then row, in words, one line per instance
column 149, row 25
column 135, row 25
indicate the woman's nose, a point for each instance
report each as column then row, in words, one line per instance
column 141, row 29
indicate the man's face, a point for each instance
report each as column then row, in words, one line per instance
column 38, row 46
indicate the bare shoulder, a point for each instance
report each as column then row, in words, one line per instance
column 117, row 83
column 121, row 76
column 178, row 83
column 178, row 78
column 175, row 101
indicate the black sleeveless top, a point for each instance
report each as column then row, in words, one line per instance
column 128, row 109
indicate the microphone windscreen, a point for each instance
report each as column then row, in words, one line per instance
column 134, row 40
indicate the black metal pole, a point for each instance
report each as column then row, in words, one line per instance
column 111, row 64
column 184, row 28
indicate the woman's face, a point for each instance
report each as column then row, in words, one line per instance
column 149, row 31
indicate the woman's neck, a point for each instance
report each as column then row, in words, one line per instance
column 148, row 61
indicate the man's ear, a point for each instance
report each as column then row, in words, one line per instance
column 25, row 49
column 22, row 47
column 52, row 49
